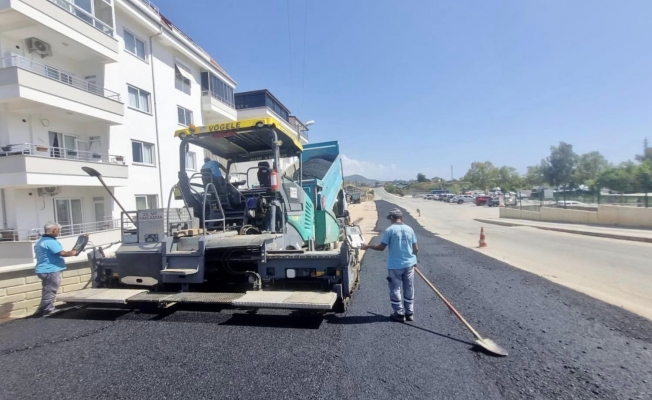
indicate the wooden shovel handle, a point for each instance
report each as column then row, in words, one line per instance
column 449, row 305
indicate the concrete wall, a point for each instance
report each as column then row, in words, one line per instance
column 633, row 217
column 515, row 213
column 625, row 216
column 20, row 291
column 551, row 214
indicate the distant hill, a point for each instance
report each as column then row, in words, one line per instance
column 360, row 179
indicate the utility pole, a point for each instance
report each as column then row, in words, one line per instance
column 452, row 178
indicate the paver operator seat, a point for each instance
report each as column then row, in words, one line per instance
column 264, row 174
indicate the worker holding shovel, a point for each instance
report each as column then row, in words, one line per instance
column 402, row 243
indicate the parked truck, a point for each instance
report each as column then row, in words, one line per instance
column 281, row 240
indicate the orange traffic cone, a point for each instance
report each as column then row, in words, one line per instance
column 483, row 243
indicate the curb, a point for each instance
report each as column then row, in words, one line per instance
column 573, row 231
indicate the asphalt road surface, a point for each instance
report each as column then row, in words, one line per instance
column 616, row 271
column 562, row 344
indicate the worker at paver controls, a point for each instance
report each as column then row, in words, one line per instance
column 403, row 249
column 214, row 166
column 49, row 266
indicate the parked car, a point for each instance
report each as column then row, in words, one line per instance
column 493, row 202
column 570, row 203
column 446, row 196
column 430, row 197
column 462, row 198
column 481, row 200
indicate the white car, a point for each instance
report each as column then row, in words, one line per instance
column 462, row 198
column 571, row 203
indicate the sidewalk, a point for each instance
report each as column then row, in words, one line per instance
column 637, row 235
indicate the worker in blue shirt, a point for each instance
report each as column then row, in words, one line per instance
column 403, row 250
column 49, row 264
column 214, row 166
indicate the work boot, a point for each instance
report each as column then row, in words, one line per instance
column 409, row 317
column 397, row 317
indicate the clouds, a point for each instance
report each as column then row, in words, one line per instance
column 368, row 169
column 385, row 172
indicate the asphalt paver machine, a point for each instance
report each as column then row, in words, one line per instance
column 257, row 236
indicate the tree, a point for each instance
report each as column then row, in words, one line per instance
column 560, row 165
column 422, row 178
column 647, row 152
column 534, row 175
column 589, row 167
column 621, row 178
column 509, row 179
column 482, row 175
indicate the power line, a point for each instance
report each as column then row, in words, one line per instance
column 290, row 47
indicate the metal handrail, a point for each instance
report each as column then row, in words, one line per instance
column 39, row 150
column 218, row 97
column 55, row 74
column 219, row 203
column 31, row 234
column 152, row 6
column 84, row 16
column 167, row 213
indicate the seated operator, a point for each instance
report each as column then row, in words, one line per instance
column 214, row 166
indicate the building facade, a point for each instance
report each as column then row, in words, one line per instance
column 102, row 84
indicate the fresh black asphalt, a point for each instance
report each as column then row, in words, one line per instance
column 562, row 344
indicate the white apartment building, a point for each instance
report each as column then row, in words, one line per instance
column 103, row 84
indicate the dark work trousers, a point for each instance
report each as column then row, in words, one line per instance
column 401, row 279
column 51, row 283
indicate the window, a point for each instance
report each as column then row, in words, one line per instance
column 184, row 116
column 182, row 79
column 146, row 201
column 143, row 153
column 191, row 160
column 217, row 88
column 134, row 45
column 138, row 99
column 68, row 213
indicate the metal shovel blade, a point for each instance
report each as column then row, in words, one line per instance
column 491, row 346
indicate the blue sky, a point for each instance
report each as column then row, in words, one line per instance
column 420, row 86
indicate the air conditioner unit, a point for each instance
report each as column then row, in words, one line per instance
column 39, row 47
column 52, row 191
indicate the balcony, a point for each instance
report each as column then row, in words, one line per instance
column 28, row 86
column 17, row 245
column 90, row 35
column 27, row 164
column 217, row 109
column 84, row 15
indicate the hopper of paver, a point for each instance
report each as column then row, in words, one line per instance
column 323, row 181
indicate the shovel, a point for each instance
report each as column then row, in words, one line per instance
column 487, row 344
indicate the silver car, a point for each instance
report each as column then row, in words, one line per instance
column 463, row 198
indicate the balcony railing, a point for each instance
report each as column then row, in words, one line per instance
column 218, row 97
column 84, row 16
column 55, row 74
column 39, row 150
column 151, row 5
column 21, row 235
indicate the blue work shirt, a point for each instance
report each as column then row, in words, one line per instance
column 48, row 260
column 399, row 239
column 214, row 166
